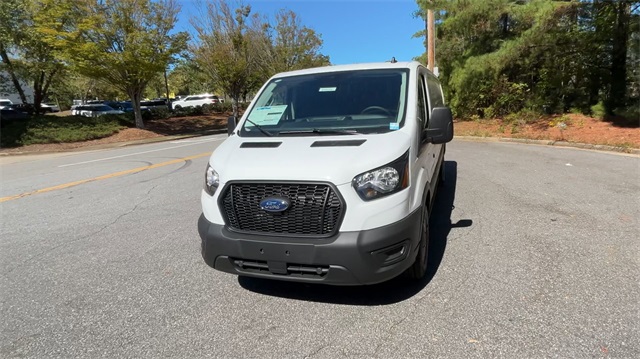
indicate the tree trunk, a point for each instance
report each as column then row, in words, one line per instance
column 166, row 85
column 136, row 96
column 617, row 96
column 235, row 106
column 14, row 79
column 37, row 93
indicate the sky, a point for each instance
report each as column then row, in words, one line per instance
column 353, row 31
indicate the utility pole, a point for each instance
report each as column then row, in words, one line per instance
column 431, row 44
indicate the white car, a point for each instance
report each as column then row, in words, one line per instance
column 94, row 110
column 195, row 100
column 329, row 177
column 49, row 107
column 5, row 103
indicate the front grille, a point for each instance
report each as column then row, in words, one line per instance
column 314, row 210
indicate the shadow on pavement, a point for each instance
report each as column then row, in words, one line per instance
column 393, row 291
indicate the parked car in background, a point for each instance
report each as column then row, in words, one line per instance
column 7, row 114
column 157, row 103
column 49, row 107
column 195, row 100
column 23, row 107
column 5, row 103
column 125, row 106
column 95, row 110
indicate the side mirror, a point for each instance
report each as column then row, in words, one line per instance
column 440, row 126
column 231, row 125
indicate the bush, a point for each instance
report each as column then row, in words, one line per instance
column 598, row 110
column 188, row 111
column 630, row 113
column 54, row 129
column 522, row 117
column 158, row 113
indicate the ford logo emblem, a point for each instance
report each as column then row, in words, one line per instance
column 274, row 204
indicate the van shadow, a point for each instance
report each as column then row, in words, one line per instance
column 393, row 291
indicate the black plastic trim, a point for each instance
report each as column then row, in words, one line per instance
column 338, row 143
column 260, row 144
column 331, row 185
column 347, row 258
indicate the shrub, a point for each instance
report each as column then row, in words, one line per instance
column 54, row 129
column 598, row 110
column 158, row 113
column 522, row 117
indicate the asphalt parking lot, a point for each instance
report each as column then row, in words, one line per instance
column 534, row 254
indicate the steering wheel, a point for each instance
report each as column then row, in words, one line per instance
column 376, row 109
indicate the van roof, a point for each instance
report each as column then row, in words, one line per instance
column 352, row 67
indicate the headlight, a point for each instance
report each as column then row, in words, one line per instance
column 211, row 181
column 383, row 181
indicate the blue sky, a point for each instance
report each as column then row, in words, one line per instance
column 353, row 31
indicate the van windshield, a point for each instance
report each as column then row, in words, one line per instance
column 348, row 102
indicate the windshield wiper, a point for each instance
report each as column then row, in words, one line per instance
column 260, row 128
column 320, row 131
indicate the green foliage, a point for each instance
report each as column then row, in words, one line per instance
column 55, row 129
column 160, row 113
column 125, row 43
column 501, row 56
column 238, row 50
column 631, row 113
column 28, row 54
column 598, row 110
column 522, row 117
column 230, row 44
column 187, row 78
column 294, row 46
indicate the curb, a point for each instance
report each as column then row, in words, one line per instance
column 584, row 146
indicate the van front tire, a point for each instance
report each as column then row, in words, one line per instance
column 418, row 269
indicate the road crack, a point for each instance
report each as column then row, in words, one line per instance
column 49, row 250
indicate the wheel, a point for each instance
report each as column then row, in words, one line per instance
column 376, row 109
column 419, row 268
column 177, row 107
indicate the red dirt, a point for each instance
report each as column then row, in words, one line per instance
column 576, row 128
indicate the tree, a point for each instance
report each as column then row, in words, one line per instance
column 294, row 46
column 125, row 43
column 500, row 56
column 239, row 50
column 26, row 53
column 228, row 50
column 186, row 78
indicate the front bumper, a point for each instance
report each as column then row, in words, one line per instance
column 348, row 258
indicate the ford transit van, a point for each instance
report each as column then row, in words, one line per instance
column 329, row 176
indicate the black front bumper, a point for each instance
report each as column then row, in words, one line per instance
column 348, row 258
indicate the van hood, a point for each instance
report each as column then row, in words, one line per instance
column 336, row 159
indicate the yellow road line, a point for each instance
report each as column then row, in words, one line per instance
column 107, row 176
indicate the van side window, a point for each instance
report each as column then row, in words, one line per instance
column 422, row 104
column 435, row 92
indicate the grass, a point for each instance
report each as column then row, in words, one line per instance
column 53, row 129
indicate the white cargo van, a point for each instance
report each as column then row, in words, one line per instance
column 329, row 176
